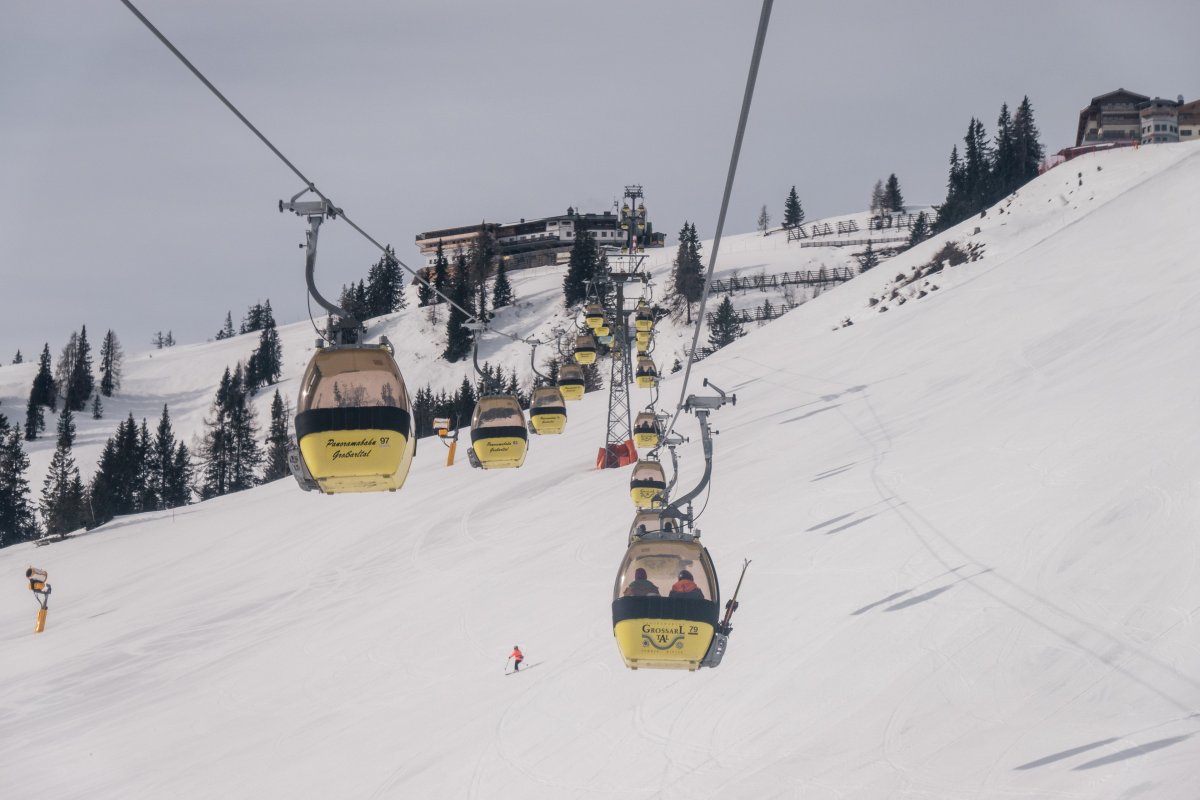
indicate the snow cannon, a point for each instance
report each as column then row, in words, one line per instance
column 41, row 589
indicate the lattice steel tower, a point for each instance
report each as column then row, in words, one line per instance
column 625, row 267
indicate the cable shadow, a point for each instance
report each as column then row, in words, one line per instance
column 841, row 528
column 887, row 599
column 832, row 473
column 1074, row 751
column 1133, row 752
column 903, row 592
column 827, row 522
column 921, row 598
column 809, row 414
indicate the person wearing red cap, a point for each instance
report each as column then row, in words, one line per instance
column 686, row 588
column 640, row 586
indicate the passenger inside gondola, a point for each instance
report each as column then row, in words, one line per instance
column 686, row 587
column 664, row 564
column 640, row 586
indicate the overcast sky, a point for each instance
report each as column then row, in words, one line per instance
column 133, row 200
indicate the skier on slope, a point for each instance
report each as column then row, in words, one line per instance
column 516, row 657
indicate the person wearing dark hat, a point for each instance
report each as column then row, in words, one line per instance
column 516, row 656
column 640, row 586
column 685, row 588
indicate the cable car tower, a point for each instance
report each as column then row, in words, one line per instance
column 624, row 267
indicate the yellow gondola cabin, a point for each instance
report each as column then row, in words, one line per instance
column 498, row 436
column 646, row 430
column 547, row 411
column 593, row 315
column 571, row 381
column 585, row 349
column 665, row 606
column 353, row 420
column 646, row 374
column 643, row 320
column 648, row 484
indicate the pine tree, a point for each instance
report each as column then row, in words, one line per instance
column 793, row 213
column 689, row 269
column 110, row 364
column 1004, row 156
column 920, row 230
column 954, row 209
column 62, row 502
column 253, row 319
column 160, row 453
column 893, row 201
column 385, row 285
column 1028, row 148
column 230, row 449
column 35, row 419
column 247, row 454
column 43, row 392
column 593, row 379
column 726, row 326
column 483, row 256
column 464, row 402
column 227, row 331
column 425, row 293
column 216, row 445
column 580, row 268
column 868, row 260
column 17, row 521
column 18, row 358
column 81, row 381
column 977, row 165
column 422, row 411
column 764, row 220
column 277, row 441
column 177, row 490
column 361, row 309
column 65, row 366
column 266, row 362
column 66, row 429
column 458, row 338
column 159, row 340
column 116, row 487
column 502, row 291
column 149, row 472
column 877, row 198
column 441, row 268
column 62, row 492
column 170, row 340
column 97, row 407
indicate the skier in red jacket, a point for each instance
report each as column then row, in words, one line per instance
column 517, row 657
column 686, row 587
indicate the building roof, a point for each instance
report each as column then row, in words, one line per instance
column 1115, row 96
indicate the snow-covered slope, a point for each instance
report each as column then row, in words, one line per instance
column 972, row 520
